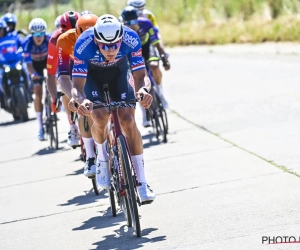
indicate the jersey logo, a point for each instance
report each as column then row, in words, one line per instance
column 123, row 96
column 77, row 61
column 130, row 41
column 137, row 53
column 83, row 46
column 94, row 93
column 49, row 66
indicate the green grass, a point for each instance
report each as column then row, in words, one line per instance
column 184, row 22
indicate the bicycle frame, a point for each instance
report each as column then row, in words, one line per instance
column 117, row 131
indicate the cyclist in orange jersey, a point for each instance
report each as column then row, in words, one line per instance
column 65, row 47
column 67, row 21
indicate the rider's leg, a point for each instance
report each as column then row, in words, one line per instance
column 73, row 135
column 135, row 144
column 99, row 132
column 38, row 106
column 89, row 144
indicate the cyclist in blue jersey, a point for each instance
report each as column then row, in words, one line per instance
column 106, row 54
column 150, row 40
column 11, row 21
column 35, row 56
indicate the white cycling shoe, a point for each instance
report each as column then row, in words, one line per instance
column 103, row 175
column 146, row 193
column 90, row 168
column 73, row 138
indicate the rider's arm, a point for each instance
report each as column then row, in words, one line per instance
column 141, row 80
column 65, row 48
column 27, row 56
column 78, row 85
column 52, row 61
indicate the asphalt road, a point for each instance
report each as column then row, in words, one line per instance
column 226, row 178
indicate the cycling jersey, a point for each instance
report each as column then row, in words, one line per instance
column 52, row 59
column 33, row 52
column 65, row 47
column 86, row 52
column 147, row 31
column 8, row 49
column 149, row 15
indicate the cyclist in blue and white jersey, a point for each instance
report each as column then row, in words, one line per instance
column 106, row 54
column 35, row 56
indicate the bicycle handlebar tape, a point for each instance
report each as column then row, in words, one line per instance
column 148, row 114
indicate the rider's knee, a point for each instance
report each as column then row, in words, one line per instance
column 100, row 119
column 154, row 66
column 127, row 121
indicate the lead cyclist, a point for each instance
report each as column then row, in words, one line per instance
column 107, row 53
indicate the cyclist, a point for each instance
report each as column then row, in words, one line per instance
column 35, row 56
column 67, row 21
column 11, row 21
column 157, row 74
column 149, row 39
column 106, row 53
column 65, row 46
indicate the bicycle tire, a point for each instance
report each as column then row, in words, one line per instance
column 160, row 111
column 96, row 190
column 112, row 202
column 126, row 211
column 55, row 128
column 130, row 192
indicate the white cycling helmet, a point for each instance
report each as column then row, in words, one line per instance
column 37, row 25
column 57, row 22
column 108, row 29
column 137, row 3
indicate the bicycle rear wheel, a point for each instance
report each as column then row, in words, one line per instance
column 130, row 184
column 160, row 118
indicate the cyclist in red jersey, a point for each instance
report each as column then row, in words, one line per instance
column 67, row 21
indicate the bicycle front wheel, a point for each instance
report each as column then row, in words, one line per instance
column 129, row 183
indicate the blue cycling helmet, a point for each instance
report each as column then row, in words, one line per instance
column 10, row 19
column 129, row 13
column 3, row 25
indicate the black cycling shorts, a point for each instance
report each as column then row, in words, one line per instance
column 118, row 77
column 149, row 52
column 39, row 67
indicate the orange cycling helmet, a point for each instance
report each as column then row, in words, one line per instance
column 84, row 22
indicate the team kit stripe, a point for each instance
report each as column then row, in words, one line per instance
column 139, row 66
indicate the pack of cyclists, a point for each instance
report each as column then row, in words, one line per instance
column 84, row 51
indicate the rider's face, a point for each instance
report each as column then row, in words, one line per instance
column 38, row 38
column 110, row 51
column 132, row 24
column 11, row 27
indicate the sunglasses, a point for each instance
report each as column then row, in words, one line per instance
column 131, row 22
column 38, row 34
column 112, row 46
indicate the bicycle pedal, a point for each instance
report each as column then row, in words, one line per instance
column 92, row 177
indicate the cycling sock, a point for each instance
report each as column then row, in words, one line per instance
column 143, row 112
column 73, row 126
column 102, row 153
column 89, row 147
column 39, row 116
column 138, row 163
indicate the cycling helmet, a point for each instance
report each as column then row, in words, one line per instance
column 84, row 22
column 137, row 3
column 129, row 13
column 3, row 25
column 68, row 20
column 85, row 12
column 108, row 29
column 57, row 22
column 10, row 19
column 37, row 25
